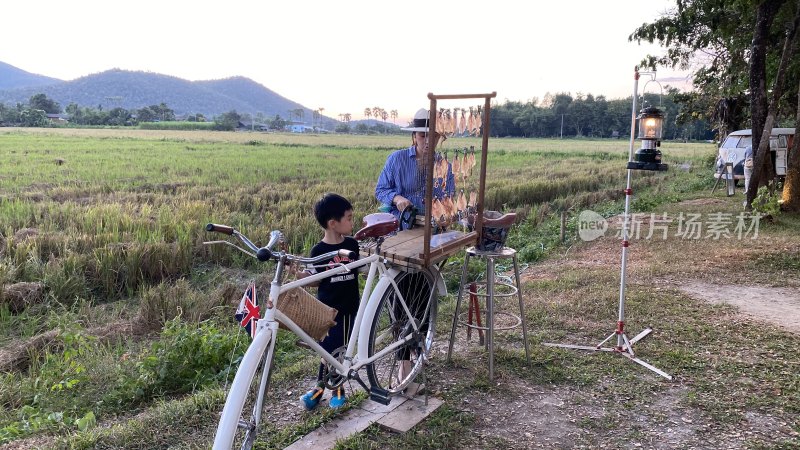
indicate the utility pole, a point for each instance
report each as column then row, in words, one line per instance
column 562, row 127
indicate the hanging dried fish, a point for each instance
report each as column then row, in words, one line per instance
column 462, row 201
column 447, row 202
column 448, row 122
column 440, row 127
column 471, row 162
column 443, row 165
column 473, row 199
column 437, row 210
column 444, row 169
column 456, row 164
column 440, row 121
column 463, row 124
column 465, row 168
column 479, row 122
column 471, row 120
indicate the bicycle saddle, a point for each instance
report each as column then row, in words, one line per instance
column 377, row 225
column 498, row 220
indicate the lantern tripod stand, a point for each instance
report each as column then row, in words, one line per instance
column 647, row 158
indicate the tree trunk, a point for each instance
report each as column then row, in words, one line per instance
column 765, row 15
column 763, row 171
column 791, row 187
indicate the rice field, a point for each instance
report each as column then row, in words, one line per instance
column 116, row 304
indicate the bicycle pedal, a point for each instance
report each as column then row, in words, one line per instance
column 379, row 395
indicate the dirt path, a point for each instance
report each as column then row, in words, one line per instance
column 780, row 306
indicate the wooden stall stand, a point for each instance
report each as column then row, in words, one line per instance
column 418, row 247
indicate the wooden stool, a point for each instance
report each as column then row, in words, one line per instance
column 487, row 290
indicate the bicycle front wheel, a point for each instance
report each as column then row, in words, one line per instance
column 395, row 369
column 247, row 392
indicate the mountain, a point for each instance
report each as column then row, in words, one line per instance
column 12, row 77
column 135, row 89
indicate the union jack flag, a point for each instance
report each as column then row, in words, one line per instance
column 249, row 312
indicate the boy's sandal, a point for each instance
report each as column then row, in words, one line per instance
column 338, row 399
column 311, row 399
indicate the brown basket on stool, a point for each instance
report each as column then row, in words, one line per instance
column 310, row 314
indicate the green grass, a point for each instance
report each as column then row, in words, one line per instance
column 115, row 221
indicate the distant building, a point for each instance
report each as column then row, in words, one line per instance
column 300, row 128
column 58, row 119
column 247, row 125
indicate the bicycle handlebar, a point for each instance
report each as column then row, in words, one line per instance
column 220, row 228
column 266, row 253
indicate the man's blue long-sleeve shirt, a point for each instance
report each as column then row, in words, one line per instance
column 400, row 176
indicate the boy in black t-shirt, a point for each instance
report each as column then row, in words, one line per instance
column 335, row 214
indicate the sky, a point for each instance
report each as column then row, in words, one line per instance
column 348, row 55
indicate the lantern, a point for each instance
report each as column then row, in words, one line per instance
column 651, row 126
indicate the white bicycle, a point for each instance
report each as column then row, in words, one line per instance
column 394, row 326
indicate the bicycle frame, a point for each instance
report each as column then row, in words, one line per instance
column 366, row 308
column 261, row 349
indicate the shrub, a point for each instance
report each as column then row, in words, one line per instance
column 766, row 203
column 188, row 356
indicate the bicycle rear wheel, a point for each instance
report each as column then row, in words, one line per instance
column 391, row 324
column 235, row 429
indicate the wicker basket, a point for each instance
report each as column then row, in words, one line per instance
column 310, row 314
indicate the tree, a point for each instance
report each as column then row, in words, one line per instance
column 277, row 123
column 367, row 113
column 227, row 121
column 762, row 166
column 745, row 48
column 40, row 101
column 33, row 118
column 163, row 112
column 393, row 113
column 8, row 115
column 579, row 112
column 146, row 114
column 315, row 117
column 74, row 112
column 118, row 117
column 791, row 196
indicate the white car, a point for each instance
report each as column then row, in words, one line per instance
column 733, row 148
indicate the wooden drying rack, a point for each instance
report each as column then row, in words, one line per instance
column 404, row 247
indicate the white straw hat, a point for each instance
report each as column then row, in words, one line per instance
column 420, row 122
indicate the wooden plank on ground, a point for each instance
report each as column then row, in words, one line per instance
column 409, row 414
column 353, row 421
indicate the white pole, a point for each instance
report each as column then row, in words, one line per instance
column 625, row 243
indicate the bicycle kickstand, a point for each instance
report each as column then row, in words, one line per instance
column 425, row 382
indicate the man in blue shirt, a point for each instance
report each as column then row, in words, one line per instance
column 402, row 180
